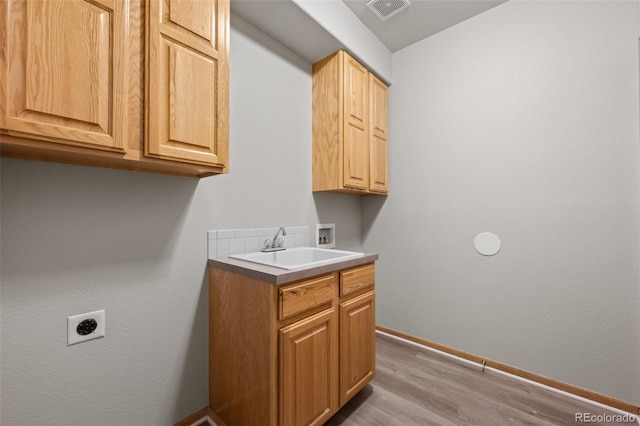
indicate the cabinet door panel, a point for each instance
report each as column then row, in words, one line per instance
column 378, row 175
column 191, row 115
column 187, row 81
column 67, row 67
column 355, row 157
column 194, row 16
column 309, row 370
column 357, row 344
column 356, row 88
column 379, row 121
column 356, row 119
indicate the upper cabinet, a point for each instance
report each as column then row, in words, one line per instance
column 350, row 131
column 64, row 70
column 78, row 86
column 187, row 80
column 379, row 142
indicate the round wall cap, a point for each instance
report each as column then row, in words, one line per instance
column 487, row 243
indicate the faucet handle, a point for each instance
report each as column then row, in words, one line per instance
column 279, row 242
column 267, row 243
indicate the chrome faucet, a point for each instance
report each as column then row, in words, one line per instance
column 274, row 244
column 284, row 232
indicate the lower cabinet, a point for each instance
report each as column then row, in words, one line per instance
column 289, row 354
column 308, row 374
column 357, row 337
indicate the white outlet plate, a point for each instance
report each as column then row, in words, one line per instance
column 72, row 323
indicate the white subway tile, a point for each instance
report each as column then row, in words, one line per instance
column 211, row 249
column 223, row 242
column 236, row 246
column 252, row 244
column 298, row 230
column 222, row 247
column 241, row 233
column 226, row 233
column 267, row 232
column 301, row 240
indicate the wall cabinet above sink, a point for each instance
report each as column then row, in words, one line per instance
column 350, row 127
column 118, row 83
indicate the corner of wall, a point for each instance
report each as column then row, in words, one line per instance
column 339, row 21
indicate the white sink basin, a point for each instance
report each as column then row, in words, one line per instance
column 297, row 257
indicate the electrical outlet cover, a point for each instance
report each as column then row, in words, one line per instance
column 72, row 324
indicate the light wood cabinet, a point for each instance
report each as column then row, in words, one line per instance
column 379, row 146
column 78, row 86
column 350, row 131
column 289, row 354
column 64, row 71
column 309, row 373
column 356, row 124
column 187, row 81
column 357, row 336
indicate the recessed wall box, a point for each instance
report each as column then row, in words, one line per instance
column 326, row 235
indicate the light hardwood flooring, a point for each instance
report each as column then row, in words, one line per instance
column 415, row 386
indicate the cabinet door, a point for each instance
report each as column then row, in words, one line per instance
column 309, row 370
column 357, row 344
column 63, row 72
column 187, row 81
column 379, row 136
column 356, row 122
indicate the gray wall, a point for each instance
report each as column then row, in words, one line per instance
column 522, row 121
column 77, row 239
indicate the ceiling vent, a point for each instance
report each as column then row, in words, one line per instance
column 385, row 9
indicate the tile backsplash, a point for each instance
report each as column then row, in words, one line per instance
column 223, row 242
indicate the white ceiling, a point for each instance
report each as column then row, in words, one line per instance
column 293, row 26
column 289, row 25
column 421, row 19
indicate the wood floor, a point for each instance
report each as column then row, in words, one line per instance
column 415, row 386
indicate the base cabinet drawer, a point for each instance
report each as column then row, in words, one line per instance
column 305, row 296
column 357, row 280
